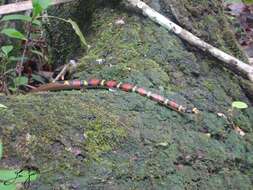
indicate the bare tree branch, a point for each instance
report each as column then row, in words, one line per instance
column 229, row 61
column 23, row 6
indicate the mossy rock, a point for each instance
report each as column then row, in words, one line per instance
column 98, row 139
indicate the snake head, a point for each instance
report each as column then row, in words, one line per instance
column 192, row 110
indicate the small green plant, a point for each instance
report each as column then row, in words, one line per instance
column 232, row 112
column 29, row 48
column 10, row 178
column 236, row 105
column 5, row 60
column 239, row 105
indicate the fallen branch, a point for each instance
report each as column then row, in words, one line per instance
column 231, row 62
column 62, row 73
column 23, row 6
column 71, row 67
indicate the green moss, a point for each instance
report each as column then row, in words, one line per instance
column 60, row 126
column 123, row 140
column 243, row 121
column 102, row 139
column 206, row 20
column 209, row 85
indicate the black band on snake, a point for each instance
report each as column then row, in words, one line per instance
column 112, row 84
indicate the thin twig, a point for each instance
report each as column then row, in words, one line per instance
column 70, row 67
column 19, row 67
column 62, row 73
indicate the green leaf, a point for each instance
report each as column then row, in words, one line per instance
column 37, row 53
column 1, row 149
column 17, row 17
column 13, row 33
column 7, row 49
column 23, row 176
column 247, row 1
column 12, row 58
column 7, row 187
column 2, row 106
column 37, row 22
column 21, row 18
column 44, row 3
column 239, row 105
column 39, row 6
column 78, row 32
column 37, row 9
column 38, row 78
column 19, row 81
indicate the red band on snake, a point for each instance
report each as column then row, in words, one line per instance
column 111, row 84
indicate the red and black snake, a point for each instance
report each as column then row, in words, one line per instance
column 112, row 84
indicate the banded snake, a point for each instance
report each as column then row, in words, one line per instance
column 112, row 84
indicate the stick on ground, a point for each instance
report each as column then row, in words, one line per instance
column 229, row 61
column 23, row 6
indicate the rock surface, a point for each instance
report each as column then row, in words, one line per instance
column 98, row 139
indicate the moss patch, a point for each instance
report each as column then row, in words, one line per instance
column 115, row 140
column 57, row 133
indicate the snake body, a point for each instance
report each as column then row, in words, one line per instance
column 112, row 84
